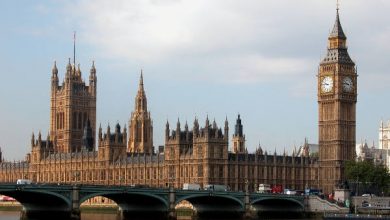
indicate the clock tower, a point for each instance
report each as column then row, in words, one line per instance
column 337, row 96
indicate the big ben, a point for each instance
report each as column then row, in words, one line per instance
column 337, row 96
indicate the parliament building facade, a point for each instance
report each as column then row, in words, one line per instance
column 72, row 152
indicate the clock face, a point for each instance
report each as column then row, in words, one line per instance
column 347, row 84
column 326, row 84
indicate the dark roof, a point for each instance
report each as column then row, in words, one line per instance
column 337, row 29
column 339, row 55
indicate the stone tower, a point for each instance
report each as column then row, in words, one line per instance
column 384, row 135
column 140, row 124
column 238, row 137
column 72, row 104
column 197, row 156
column 337, row 96
column 112, row 146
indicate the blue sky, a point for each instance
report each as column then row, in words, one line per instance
column 218, row 58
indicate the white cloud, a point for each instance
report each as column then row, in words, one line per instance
column 254, row 68
column 224, row 38
column 221, row 40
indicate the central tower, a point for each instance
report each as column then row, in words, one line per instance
column 140, row 124
column 72, row 106
column 337, row 96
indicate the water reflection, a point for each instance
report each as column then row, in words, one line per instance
column 15, row 215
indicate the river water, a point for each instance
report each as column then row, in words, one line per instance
column 15, row 215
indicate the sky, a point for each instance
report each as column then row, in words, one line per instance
column 220, row 58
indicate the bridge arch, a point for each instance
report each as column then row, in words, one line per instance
column 135, row 205
column 41, row 203
column 117, row 196
column 278, row 206
column 214, row 206
column 194, row 197
column 287, row 200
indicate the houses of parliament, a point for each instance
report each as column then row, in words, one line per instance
column 75, row 153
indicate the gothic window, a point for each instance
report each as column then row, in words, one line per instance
column 200, row 152
column 79, row 120
column 84, row 120
column 211, row 152
column 138, row 136
column 200, row 171
column 145, row 133
column 171, row 172
column 62, row 120
column 220, row 152
column 74, row 123
column 57, row 121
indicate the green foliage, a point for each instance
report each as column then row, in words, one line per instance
column 368, row 175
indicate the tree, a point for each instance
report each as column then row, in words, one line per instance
column 366, row 177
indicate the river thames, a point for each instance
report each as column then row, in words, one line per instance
column 15, row 215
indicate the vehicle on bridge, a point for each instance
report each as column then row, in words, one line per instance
column 317, row 192
column 264, row 188
column 215, row 187
column 23, row 181
column 290, row 192
column 277, row 188
column 191, row 186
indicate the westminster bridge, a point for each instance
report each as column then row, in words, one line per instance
column 56, row 201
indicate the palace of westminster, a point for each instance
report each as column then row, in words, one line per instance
column 73, row 154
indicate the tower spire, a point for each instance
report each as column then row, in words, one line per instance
column 74, row 49
column 337, row 31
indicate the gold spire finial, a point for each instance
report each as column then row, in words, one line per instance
column 337, row 5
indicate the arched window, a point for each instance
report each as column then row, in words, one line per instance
column 74, row 121
column 85, row 119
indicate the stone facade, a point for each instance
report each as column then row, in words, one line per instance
column 200, row 155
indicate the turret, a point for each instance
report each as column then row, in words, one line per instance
column 78, row 71
column 108, row 130
column 68, row 71
column 238, row 137
column 196, row 128
column 167, row 130
column 54, row 76
column 238, row 128
column 207, row 126
column 226, row 132
column 186, row 131
column 124, row 133
column 140, row 99
column 92, row 78
column 48, row 141
column 39, row 138
column 100, row 135
column 117, row 132
column 178, row 129
column 32, row 140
